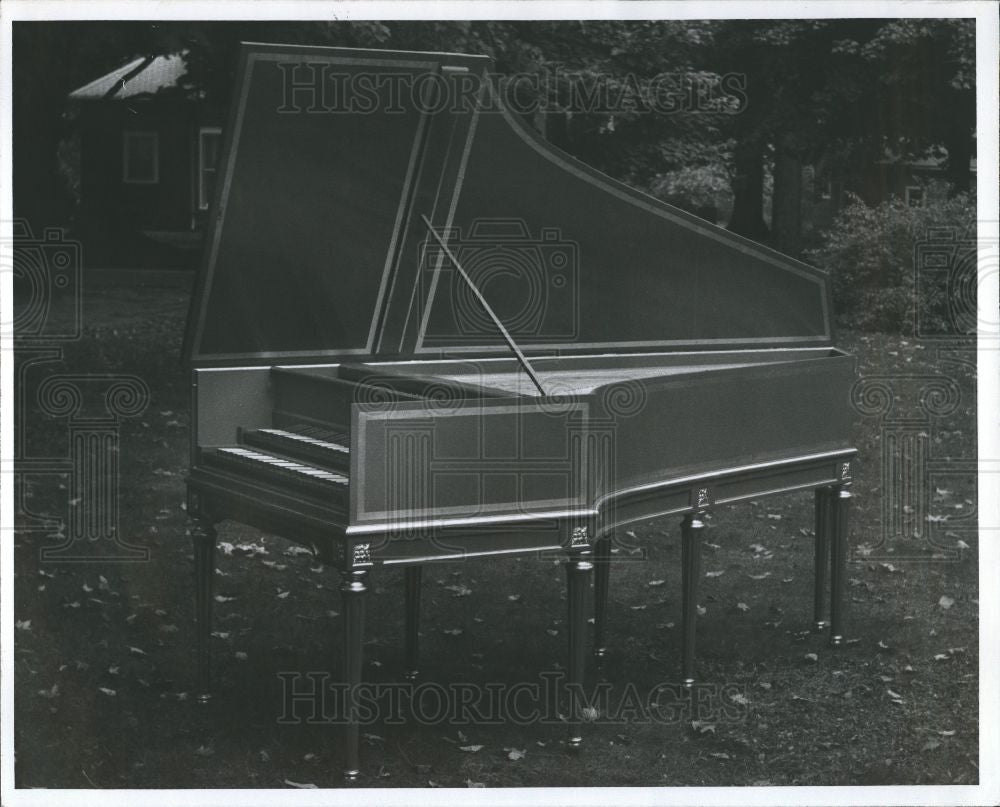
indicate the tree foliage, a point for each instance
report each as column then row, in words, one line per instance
column 837, row 93
column 872, row 254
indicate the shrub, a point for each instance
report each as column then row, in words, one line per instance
column 870, row 253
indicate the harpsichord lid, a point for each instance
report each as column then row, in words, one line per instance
column 317, row 248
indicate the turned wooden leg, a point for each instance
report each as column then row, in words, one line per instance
column 412, row 638
column 353, row 591
column 602, row 575
column 578, row 569
column 822, row 548
column 840, row 505
column 691, row 530
column 203, row 537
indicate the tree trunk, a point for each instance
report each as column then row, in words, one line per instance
column 748, row 191
column 786, row 201
column 959, row 155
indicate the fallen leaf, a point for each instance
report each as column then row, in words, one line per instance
column 742, row 606
column 304, row 785
column 703, row 726
column 109, row 692
column 470, row 783
column 946, row 602
column 50, row 693
column 655, row 583
column 471, row 749
column 513, row 754
column 23, row 624
column 811, row 657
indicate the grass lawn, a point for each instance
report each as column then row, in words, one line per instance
column 104, row 663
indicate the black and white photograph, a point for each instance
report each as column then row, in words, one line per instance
column 461, row 402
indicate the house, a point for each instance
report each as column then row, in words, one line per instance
column 148, row 148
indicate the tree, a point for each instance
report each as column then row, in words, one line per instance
column 845, row 88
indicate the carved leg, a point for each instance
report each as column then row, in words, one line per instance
column 203, row 537
column 412, row 639
column 822, row 552
column 691, row 529
column 353, row 591
column 602, row 575
column 840, row 505
column 578, row 569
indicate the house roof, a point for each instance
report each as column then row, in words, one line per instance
column 146, row 75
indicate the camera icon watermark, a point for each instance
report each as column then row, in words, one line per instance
column 46, row 284
column 950, row 265
column 530, row 280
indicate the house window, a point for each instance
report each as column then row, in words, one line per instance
column 141, row 158
column 209, row 144
column 914, row 195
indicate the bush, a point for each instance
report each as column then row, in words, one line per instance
column 872, row 252
column 704, row 190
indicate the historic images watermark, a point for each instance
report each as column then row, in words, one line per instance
column 324, row 87
column 48, row 305
column 916, row 411
column 316, row 698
